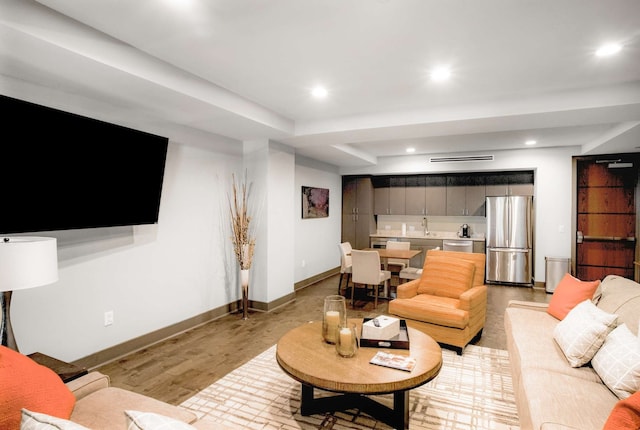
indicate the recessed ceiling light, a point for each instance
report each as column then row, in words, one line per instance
column 410, row 150
column 530, row 142
column 319, row 92
column 608, row 49
column 440, row 74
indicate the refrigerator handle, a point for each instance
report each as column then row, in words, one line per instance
column 509, row 221
column 521, row 250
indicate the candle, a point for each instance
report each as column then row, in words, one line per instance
column 332, row 318
column 346, row 344
column 345, row 338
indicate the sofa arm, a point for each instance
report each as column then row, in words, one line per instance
column 87, row 384
column 534, row 306
column 408, row 289
column 473, row 298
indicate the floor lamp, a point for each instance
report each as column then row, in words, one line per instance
column 25, row 262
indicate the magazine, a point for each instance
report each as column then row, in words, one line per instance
column 395, row 361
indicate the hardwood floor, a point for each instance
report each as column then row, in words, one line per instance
column 177, row 368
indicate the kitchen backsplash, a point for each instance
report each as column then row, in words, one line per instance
column 435, row 223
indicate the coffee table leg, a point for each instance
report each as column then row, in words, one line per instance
column 398, row 417
column 401, row 408
column 307, row 399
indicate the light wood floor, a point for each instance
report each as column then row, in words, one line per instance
column 178, row 368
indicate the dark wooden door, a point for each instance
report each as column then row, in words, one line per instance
column 606, row 224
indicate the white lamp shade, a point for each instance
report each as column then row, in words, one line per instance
column 27, row 262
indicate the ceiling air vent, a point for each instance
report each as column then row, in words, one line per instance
column 461, row 158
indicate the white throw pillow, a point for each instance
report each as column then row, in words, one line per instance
column 618, row 362
column 583, row 331
column 37, row 421
column 150, row 421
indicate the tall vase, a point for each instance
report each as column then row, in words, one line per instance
column 244, row 281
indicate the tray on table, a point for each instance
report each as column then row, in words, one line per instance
column 401, row 341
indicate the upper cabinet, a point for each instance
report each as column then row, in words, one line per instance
column 454, row 194
column 465, row 195
column 426, row 195
column 389, row 195
column 510, row 184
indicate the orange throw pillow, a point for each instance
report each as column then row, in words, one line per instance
column 26, row 384
column 625, row 414
column 569, row 292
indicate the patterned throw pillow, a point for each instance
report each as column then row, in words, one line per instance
column 583, row 331
column 149, row 421
column 36, row 421
column 618, row 362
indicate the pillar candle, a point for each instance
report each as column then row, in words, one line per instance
column 332, row 318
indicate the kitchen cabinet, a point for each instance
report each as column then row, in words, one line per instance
column 453, row 194
column 389, row 195
column 479, row 246
column 465, row 195
column 423, row 245
column 510, row 184
column 357, row 211
column 426, row 195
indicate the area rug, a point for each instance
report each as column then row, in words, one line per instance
column 472, row 391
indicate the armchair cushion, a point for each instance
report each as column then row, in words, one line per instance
column 446, row 277
column 442, row 311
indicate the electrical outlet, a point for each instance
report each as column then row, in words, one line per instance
column 108, row 318
column 304, row 263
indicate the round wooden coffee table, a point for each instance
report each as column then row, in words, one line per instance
column 303, row 355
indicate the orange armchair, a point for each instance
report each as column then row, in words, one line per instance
column 449, row 301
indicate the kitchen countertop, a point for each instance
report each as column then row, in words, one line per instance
column 439, row 235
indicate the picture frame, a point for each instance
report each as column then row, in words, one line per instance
column 315, row 202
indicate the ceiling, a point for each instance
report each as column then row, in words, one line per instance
column 243, row 69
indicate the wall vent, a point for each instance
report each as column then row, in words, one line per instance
column 461, row 158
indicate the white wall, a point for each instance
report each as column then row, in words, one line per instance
column 155, row 276
column 553, row 190
column 149, row 276
column 317, row 239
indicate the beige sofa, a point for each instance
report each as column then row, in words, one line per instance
column 550, row 394
column 101, row 406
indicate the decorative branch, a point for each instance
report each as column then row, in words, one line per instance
column 243, row 244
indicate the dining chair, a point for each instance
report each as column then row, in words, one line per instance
column 345, row 264
column 365, row 267
column 397, row 262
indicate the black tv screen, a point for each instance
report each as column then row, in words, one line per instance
column 63, row 171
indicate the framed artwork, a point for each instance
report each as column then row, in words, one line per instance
column 315, row 202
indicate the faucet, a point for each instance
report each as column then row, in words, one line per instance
column 425, row 224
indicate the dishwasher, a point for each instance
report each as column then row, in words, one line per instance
column 457, row 245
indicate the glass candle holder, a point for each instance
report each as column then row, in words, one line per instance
column 347, row 340
column 334, row 316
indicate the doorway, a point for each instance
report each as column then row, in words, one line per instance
column 606, row 216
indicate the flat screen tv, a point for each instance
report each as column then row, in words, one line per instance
column 61, row 171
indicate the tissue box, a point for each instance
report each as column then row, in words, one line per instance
column 389, row 328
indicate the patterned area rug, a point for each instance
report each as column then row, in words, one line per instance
column 472, row 391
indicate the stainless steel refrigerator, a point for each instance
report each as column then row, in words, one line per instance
column 509, row 239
